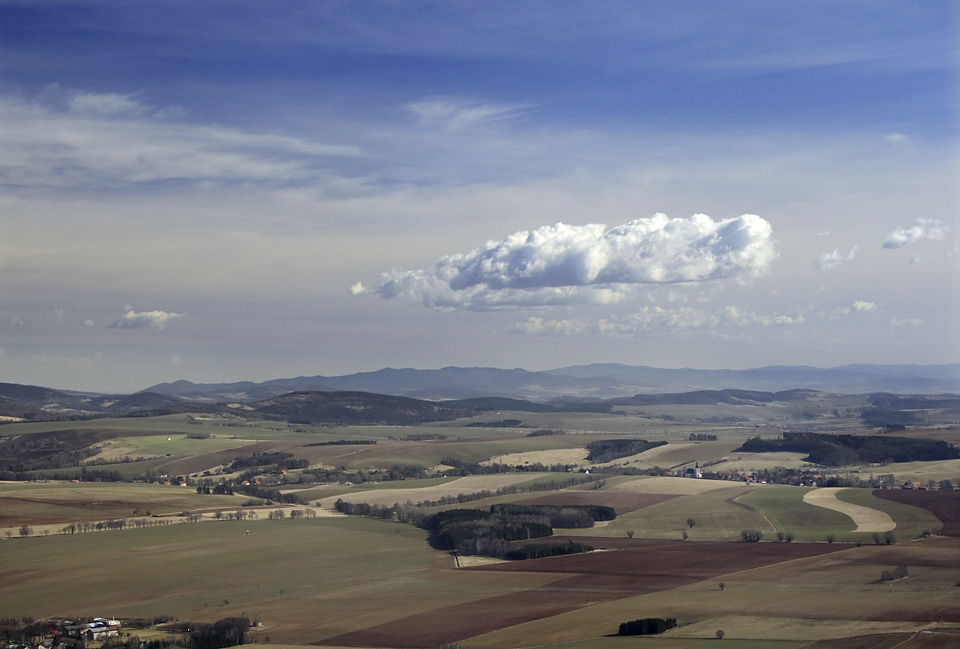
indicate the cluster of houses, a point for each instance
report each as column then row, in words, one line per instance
column 98, row 629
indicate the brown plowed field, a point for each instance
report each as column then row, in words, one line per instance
column 621, row 502
column 643, row 566
column 945, row 505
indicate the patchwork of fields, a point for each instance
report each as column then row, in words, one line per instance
column 327, row 579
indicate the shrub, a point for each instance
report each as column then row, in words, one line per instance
column 228, row 632
column 751, row 536
column 647, row 626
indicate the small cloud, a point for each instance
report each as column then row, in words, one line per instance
column 896, row 138
column 541, row 327
column 933, row 229
column 359, row 289
column 860, row 306
column 88, row 322
column 143, row 319
column 906, row 322
column 58, row 314
column 829, row 260
column 175, row 359
column 914, row 259
column 568, row 264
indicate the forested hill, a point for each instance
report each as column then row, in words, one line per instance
column 356, row 408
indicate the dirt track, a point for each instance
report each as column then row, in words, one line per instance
column 867, row 520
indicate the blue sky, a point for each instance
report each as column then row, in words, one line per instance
column 243, row 190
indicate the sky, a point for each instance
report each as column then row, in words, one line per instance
column 241, row 190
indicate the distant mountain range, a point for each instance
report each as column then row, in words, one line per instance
column 410, row 396
column 597, row 381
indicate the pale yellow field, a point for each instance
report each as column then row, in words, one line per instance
column 747, row 462
column 779, row 628
column 467, row 485
column 866, row 519
column 923, row 471
column 668, row 485
column 575, row 456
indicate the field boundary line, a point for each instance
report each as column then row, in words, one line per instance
column 736, row 501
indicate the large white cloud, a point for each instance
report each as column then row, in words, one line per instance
column 934, row 229
column 143, row 319
column 564, row 264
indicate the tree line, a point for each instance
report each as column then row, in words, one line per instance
column 607, row 450
column 839, row 450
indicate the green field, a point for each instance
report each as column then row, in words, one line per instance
column 338, row 573
column 911, row 521
column 61, row 503
column 717, row 516
column 785, row 508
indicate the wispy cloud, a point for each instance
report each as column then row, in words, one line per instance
column 111, row 104
column 933, row 229
column 656, row 321
column 906, row 322
column 454, row 114
column 92, row 140
column 829, row 260
column 562, row 264
column 143, row 319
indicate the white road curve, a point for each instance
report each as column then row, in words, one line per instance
column 866, row 519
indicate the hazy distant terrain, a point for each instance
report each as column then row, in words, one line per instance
column 602, row 381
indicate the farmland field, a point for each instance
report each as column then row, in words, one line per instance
column 331, row 580
column 354, row 581
column 60, row 503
